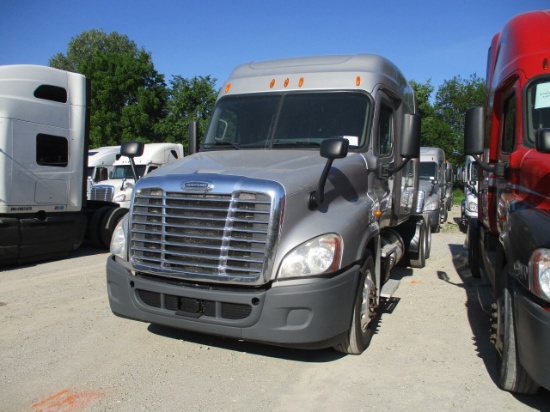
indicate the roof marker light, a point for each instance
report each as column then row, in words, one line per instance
column 301, row 82
column 358, row 80
column 272, row 83
column 287, row 80
column 545, row 64
column 227, row 87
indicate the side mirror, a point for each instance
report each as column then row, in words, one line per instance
column 542, row 141
column 474, row 128
column 410, row 138
column 132, row 149
column 330, row 149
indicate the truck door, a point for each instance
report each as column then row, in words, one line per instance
column 383, row 145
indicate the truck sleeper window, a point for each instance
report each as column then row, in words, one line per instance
column 538, row 108
column 288, row 120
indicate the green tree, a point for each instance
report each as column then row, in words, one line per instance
column 454, row 97
column 128, row 95
column 442, row 122
column 189, row 99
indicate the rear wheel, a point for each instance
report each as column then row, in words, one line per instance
column 511, row 375
column 359, row 334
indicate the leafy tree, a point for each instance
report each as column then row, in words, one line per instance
column 454, row 97
column 128, row 95
column 189, row 99
column 443, row 122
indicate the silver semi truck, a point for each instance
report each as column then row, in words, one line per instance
column 283, row 228
column 433, row 180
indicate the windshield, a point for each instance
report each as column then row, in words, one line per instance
column 538, row 108
column 125, row 172
column 428, row 170
column 288, row 120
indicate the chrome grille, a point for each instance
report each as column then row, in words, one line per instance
column 219, row 237
column 102, row 192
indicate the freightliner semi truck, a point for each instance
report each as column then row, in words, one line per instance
column 509, row 242
column 283, row 228
column 100, row 164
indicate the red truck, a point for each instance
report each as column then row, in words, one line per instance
column 509, row 243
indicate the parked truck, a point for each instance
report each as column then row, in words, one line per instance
column 120, row 184
column 449, row 186
column 44, row 213
column 433, row 180
column 283, row 228
column 510, row 240
column 100, row 164
column 469, row 178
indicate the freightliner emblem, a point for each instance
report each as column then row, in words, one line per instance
column 198, row 186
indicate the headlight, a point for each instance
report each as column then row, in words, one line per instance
column 472, row 206
column 539, row 270
column 431, row 206
column 118, row 241
column 420, row 201
column 316, row 256
column 120, row 198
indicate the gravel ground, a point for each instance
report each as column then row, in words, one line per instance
column 63, row 350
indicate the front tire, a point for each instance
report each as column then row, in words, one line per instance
column 360, row 333
column 512, row 376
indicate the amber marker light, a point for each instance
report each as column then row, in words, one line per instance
column 287, row 80
column 301, row 82
column 227, row 87
column 545, row 64
column 377, row 213
column 272, row 83
column 358, row 81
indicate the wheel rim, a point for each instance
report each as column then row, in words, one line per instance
column 367, row 303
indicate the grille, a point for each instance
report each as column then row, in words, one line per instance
column 201, row 236
column 100, row 192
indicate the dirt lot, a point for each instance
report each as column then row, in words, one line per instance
column 63, row 350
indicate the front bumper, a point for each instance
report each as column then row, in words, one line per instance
column 433, row 217
column 533, row 339
column 313, row 313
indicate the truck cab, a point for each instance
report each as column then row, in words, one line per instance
column 509, row 242
column 284, row 227
column 100, row 165
column 120, row 184
column 433, row 182
column 469, row 178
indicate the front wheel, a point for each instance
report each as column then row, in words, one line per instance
column 359, row 333
column 511, row 375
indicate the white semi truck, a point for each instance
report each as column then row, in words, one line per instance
column 284, row 227
column 120, row 184
column 100, row 164
column 44, row 123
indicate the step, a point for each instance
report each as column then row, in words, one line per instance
column 389, row 288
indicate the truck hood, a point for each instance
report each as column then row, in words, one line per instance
column 426, row 186
column 295, row 170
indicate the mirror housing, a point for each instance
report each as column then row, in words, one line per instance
column 410, row 138
column 542, row 141
column 132, row 149
column 474, row 128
